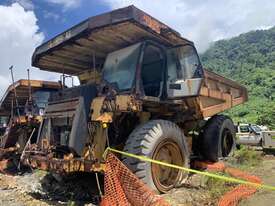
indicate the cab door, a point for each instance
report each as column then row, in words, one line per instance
column 184, row 72
column 152, row 71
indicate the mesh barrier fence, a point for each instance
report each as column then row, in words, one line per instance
column 123, row 188
column 240, row 192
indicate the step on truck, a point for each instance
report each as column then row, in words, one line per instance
column 21, row 110
column 142, row 90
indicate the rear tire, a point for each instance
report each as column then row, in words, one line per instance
column 161, row 140
column 219, row 138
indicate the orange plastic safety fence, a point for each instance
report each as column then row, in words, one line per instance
column 217, row 166
column 123, row 188
column 240, row 192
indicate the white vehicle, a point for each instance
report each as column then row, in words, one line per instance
column 254, row 135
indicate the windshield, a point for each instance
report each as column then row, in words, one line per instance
column 244, row 128
column 182, row 63
column 119, row 67
column 41, row 98
column 4, row 121
column 256, row 128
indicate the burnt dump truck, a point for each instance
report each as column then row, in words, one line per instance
column 21, row 109
column 143, row 90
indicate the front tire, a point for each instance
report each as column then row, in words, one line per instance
column 161, row 140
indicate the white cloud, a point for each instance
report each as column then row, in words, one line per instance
column 27, row 4
column 51, row 15
column 67, row 4
column 204, row 21
column 18, row 38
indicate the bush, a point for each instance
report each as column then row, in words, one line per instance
column 246, row 157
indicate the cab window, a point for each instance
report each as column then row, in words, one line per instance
column 244, row 129
column 152, row 71
column 182, row 63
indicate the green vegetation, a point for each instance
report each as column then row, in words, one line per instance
column 217, row 187
column 246, row 158
column 250, row 60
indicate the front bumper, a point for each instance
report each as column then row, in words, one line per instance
column 61, row 166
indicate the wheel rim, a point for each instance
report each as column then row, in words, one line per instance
column 227, row 143
column 165, row 178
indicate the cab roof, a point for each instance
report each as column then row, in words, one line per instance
column 72, row 52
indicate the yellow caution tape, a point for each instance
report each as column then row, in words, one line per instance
column 228, row 179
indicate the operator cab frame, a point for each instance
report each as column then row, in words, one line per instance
column 154, row 72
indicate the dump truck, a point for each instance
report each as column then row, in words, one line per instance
column 21, row 109
column 142, row 90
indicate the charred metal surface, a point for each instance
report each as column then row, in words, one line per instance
column 218, row 94
column 44, row 159
column 23, row 119
column 9, row 158
column 67, row 112
column 101, row 106
column 63, row 166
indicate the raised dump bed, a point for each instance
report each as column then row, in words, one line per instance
column 148, row 95
column 22, row 88
column 72, row 51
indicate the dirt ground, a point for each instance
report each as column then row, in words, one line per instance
column 266, row 171
column 39, row 188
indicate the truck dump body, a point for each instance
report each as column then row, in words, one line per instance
column 72, row 51
column 22, row 89
column 218, row 94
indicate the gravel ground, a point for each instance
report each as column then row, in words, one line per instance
column 39, row 188
column 267, row 173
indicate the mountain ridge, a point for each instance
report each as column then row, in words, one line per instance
column 250, row 60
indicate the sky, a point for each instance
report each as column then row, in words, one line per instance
column 25, row 24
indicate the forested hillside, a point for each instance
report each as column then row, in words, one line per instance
column 250, row 60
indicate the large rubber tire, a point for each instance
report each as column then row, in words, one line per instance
column 219, row 138
column 156, row 139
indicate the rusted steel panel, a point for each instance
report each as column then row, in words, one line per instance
column 62, row 165
column 62, row 107
column 101, row 35
column 218, row 94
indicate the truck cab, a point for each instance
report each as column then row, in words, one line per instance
column 249, row 134
column 153, row 71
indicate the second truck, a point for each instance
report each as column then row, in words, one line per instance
column 143, row 90
column 21, row 110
